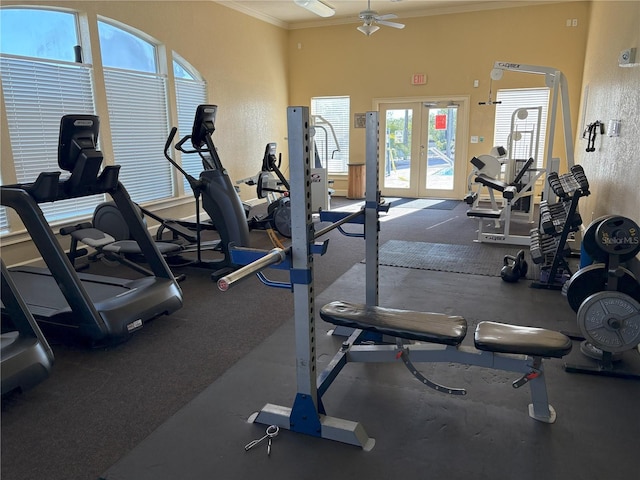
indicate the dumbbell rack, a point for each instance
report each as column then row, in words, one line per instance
column 548, row 246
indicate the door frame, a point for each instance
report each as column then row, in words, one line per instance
column 462, row 136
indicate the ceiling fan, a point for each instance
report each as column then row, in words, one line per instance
column 371, row 18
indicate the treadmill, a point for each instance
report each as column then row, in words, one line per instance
column 69, row 305
column 26, row 357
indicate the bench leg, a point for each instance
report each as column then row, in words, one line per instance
column 539, row 409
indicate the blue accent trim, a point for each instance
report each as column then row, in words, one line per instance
column 350, row 234
column 300, row 276
column 273, row 283
column 304, row 416
column 335, row 216
column 319, row 248
column 329, row 374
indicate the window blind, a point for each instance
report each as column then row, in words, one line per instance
column 139, row 128
column 37, row 94
column 336, row 111
column 513, row 99
column 189, row 94
column 4, row 221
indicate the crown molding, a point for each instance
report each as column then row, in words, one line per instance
column 352, row 19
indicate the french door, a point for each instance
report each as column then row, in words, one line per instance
column 419, row 152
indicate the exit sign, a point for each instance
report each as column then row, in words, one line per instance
column 419, row 79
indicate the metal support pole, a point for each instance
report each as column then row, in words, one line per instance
column 307, row 414
column 372, row 199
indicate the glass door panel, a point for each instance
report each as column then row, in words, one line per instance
column 418, row 149
column 440, row 150
column 398, row 124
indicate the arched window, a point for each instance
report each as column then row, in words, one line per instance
column 41, row 54
column 138, row 115
column 37, row 60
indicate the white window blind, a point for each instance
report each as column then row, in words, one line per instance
column 189, row 94
column 334, row 110
column 139, row 122
column 512, row 100
column 37, row 94
column 4, row 221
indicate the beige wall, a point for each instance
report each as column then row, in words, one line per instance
column 453, row 50
column 613, row 169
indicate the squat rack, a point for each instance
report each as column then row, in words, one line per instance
column 498, row 346
column 307, row 415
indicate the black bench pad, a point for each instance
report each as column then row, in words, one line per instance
column 490, row 182
column 484, row 213
column 419, row 326
column 505, row 338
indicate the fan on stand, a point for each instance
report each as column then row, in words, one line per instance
column 372, row 20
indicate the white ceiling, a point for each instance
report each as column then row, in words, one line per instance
column 286, row 14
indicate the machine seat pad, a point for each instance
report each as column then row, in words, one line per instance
column 536, row 342
column 484, row 213
column 419, row 326
column 491, row 182
column 93, row 237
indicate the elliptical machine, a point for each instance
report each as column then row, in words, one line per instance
column 275, row 190
column 219, row 197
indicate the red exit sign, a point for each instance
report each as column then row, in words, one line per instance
column 419, row 79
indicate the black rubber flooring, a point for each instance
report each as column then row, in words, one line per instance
column 474, row 259
column 419, row 433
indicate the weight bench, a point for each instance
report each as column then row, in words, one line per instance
column 497, row 345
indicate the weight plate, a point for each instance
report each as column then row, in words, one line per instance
column 596, row 353
column 593, row 278
column 619, row 236
column 589, row 240
column 282, row 219
column 610, row 321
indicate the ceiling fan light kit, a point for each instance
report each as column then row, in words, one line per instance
column 368, row 29
column 316, row 6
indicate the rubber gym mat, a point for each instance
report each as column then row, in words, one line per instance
column 475, row 259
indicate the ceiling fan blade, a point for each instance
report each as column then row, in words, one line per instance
column 386, row 16
column 390, row 24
